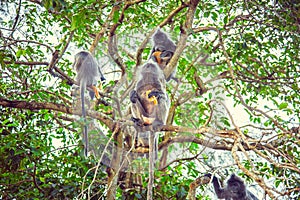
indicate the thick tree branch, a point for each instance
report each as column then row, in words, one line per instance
column 193, row 186
column 26, row 63
column 35, row 106
column 187, row 27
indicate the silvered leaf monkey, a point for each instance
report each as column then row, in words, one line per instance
column 234, row 190
column 150, row 103
column 163, row 50
column 150, row 106
column 87, row 74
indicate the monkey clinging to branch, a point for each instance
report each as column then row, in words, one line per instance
column 163, row 50
column 234, row 190
column 150, row 102
column 88, row 73
column 150, row 106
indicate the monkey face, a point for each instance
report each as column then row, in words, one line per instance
column 236, row 186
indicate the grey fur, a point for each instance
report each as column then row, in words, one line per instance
column 87, row 74
column 162, row 43
column 150, row 78
column 234, row 190
column 150, row 107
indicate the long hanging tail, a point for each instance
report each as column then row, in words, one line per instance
column 85, row 128
column 152, row 154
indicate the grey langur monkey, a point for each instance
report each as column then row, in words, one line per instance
column 234, row 190
column 150, row 102
column 163, row 50
column 150, row 106
column 87, row 74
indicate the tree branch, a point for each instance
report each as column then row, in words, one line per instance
column 163, row 23
column 187, row 27
column 35, row 106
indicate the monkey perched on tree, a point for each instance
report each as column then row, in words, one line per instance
column 88, row 72
column 150, row 103
column 150, row 107
column 235, row 189
column 163, row 50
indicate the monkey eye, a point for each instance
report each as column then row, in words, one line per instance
column 235, row 185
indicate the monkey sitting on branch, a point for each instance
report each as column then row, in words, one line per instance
column 150, row 107
column 88, row 73
column 234, row 190
column 162, row 51
column 150, row 102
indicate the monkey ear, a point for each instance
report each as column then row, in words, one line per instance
column 159, row 35
column 158, row 30
column 233, row 176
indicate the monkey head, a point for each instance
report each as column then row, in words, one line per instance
column 150, row 103
column 87, row 68
column 150, row 77
column 162, row 42
column 163, row 49
column 236, row 186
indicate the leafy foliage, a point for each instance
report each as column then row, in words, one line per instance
column 235, row 106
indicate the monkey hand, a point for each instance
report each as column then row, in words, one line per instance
column 157, row 95
column 133, row 96
column 151, row 98
column 162, row 56
column 137, row 121
column 166, row 55
column 209, row 175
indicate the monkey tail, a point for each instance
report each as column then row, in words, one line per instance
column 152, row 158
column 83, row 111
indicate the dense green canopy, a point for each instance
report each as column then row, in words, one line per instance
column 235, row 106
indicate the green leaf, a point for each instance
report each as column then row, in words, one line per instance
column 116, row 16
column 77, row 21
column 214, row 15
column 19, row 53
column 225, row 20
column 283, row 105
column 206, row 14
